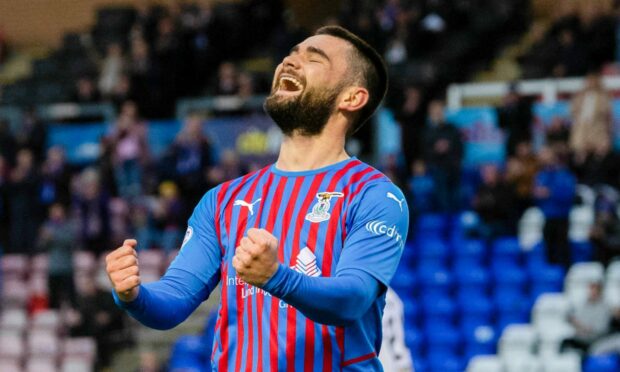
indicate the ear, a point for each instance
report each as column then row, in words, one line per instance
column 353, row 99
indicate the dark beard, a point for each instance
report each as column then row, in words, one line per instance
column 305, row 115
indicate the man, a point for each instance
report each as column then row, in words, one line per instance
column 443, row 152
column 305, row 248
column 554, row 193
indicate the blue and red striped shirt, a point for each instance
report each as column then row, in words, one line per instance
column 347, row 216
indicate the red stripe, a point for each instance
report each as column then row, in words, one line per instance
column 259, row 295
column 340, row 342
column 291, row 314
column 242, row 221
column 353, row 195
column 220, row 197
column 359, row 359
column 273, row 329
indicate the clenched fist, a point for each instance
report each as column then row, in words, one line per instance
column 256, row 257
column 122, row 268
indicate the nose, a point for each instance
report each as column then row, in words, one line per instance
column 291, row 61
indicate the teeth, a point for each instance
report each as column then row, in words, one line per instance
column 292, row 80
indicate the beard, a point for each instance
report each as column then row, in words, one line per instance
column 306, row 114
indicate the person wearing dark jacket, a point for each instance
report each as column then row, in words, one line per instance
column 554, row 192
column 495, row 204
column 443, row 152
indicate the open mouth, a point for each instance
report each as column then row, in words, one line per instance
column 289, row 85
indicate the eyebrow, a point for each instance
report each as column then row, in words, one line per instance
column 312, row 49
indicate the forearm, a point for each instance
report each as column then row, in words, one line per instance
column 337, row 300
column 166, row 303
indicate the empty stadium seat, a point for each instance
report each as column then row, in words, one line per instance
column 471, row 279
column 84, row 261
column 484, row 363
column 14, row 266
column 432, row 251
column 12, row 345
column 479, row 339
column 40, row 364
column 40, row 263
column 413, row 340
column 15, row 293
column 404, row 282
column 509, row 278
column 431, row 225
column 434, row 280
column 445, row 362
column 80, row 347
column 546, row 278
column 511, row 307
column 531, row 227
column 522, row 363
column 469, row 252
column 76, row 364
column 506, row 250
column 550, row 308
column 602, row 363
column 438, row 309
column 475, row 309
column 43, row 344
column 13, row 319
column 517, row 339
column 566, row 362
column 10, row 365
column 442, row 339
column 46, row 320
column 581, row 251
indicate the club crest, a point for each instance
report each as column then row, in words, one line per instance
column 320, row 211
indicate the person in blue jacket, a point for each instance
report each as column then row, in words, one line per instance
column 554, row 192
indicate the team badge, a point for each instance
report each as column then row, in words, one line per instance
column 320, row 211
column 188, row 235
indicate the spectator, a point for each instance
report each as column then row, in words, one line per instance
column 170, row 216
column 422, row 189
column 411, row 116
column 554, row 192
column 111, row 70
column 58, row 238
column 23, row 206
column 4, row 48
column 7, row 142
column 443, row 152
column 55, row 178
column 494, row 203
column 600, row 167
column 4, row 200
column 191, row 155
column 92, row 205
column 227, row 83
column 515, row 118
column 591, row 320
column 86, row 91
column 557, row 136
column 97, row 316
column 591, row 112
column 228, row 168
column 32, row 135
column 521, row 171
column 130, row 151
column 605, row 232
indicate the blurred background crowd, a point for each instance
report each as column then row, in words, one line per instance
column 144, row 58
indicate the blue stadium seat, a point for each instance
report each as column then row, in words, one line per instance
column 442, row 339
column 188, row 353
column 545, row 278
column 411, row 311
column 435, row 280
column 509, row 278
column 472, row 279
column 581, row 251
column 479, row 339
column 438, row 309
column 410, row 255
column 404, row 282
column 471, row 251
column 511, row 307
column 420, row 365
column 506, row 250
column 445, row 362
column 432, row 251
column 602, row 363
column 475, row 309
column 462, row 224
column 413, row 340
column 431, row 224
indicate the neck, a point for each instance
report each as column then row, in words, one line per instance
column 302, row 153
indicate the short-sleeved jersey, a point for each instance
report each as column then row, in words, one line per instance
column 347, row 216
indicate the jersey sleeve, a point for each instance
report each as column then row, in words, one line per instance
column 200, row 252
column 377, row 225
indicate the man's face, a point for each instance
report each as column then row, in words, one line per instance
column 307, row 84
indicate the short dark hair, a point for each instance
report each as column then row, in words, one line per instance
column 369, row 70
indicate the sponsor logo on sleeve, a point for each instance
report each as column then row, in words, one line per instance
column 382, row 228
